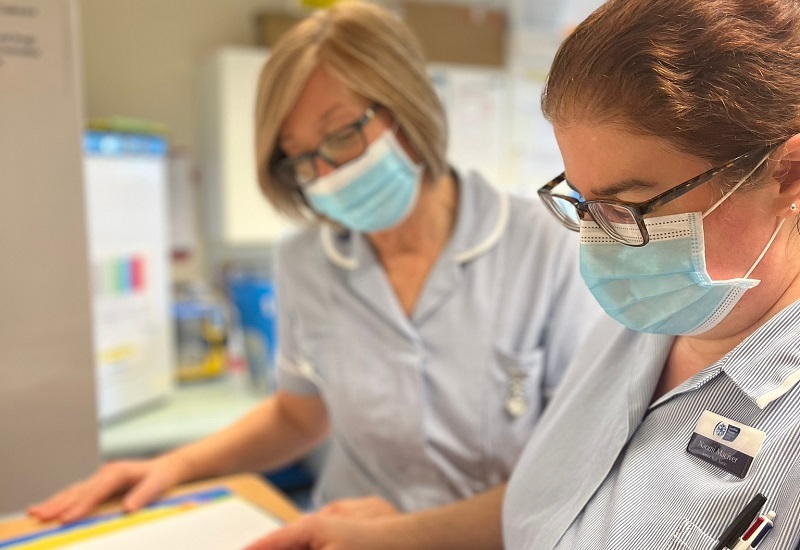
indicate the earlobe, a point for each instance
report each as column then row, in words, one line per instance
column 789, row 179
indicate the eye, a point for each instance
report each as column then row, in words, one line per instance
column 566, row 189
column 343, row 146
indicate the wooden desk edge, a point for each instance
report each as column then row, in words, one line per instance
column 248, row 486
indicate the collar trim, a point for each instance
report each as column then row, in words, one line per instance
column 333, row 254
column 504, row 208
column 773, row 395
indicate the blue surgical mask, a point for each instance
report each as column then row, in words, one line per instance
column 662, row 287
column 372, row 193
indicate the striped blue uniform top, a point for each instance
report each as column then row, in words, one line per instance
column 607, row 468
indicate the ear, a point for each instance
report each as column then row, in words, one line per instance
column 789, row 179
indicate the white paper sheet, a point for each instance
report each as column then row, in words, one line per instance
column 230, row 524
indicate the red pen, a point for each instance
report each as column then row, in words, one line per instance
column 756, row 533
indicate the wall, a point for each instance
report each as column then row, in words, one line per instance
column 142, row 59
column 141, row 56
column 48, row 431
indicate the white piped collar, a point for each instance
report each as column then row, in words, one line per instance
column 482, row 219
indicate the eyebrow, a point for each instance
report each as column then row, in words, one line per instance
column 283, row 139
column 631, row 184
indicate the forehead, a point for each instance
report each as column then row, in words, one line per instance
column 598, row 156
column 325, row 99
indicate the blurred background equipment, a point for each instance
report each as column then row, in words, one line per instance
column 126, row 202
column 201, row 333
column 252, row 295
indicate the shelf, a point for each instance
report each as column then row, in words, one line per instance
column 192, row 412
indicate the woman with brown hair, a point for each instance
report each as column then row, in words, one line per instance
column 679, row 125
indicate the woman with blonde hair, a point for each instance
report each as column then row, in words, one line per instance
column 424, row 321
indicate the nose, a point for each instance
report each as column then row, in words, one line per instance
column 323, row 167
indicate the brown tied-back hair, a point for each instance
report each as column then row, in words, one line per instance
column 715, row 78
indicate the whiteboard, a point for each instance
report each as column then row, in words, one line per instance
column 476, row 103
column 495, row 121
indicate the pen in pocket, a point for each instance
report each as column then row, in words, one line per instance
column 756, row 533
column 740, row 524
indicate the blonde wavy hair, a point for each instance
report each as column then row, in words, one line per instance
column 375, row 55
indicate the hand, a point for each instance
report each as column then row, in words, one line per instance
column 143, row 480
column 325, row 532
column 371, row 507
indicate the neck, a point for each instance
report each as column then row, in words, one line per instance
column 429, row 225
column 691, row 354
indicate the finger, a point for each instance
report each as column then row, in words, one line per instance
column 370, row 507
column 143, row 493
column 109, row 481
column 55, row 505
column 46, row 507
column 333, row 509
column 296, row 536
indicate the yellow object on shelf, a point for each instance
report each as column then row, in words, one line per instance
column 213, row 362
column 317, row 4
column 128, row 125
column 201, row 329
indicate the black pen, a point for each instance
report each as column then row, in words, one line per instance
column 739, row 525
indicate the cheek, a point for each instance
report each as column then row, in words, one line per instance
column 732, row 244
column 720, row 263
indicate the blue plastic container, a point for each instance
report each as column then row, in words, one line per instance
column 253, row 297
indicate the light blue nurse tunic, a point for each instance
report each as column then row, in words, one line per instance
column 437, row 406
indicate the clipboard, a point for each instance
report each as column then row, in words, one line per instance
column 214, row 514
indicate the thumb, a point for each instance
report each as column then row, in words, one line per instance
column 296, row 536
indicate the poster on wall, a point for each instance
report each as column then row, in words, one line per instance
column 126, row 205
column 33, row 46
column 475, row 102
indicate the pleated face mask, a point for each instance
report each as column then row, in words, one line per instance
column 662, row 287
column 374, row 192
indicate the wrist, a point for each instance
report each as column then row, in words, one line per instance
column 398, row 532
column 181, row 466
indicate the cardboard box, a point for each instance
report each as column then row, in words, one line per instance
column 273, row 25
column 448, row 33
column 458, row 34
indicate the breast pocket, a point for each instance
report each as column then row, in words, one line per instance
column 520, row 382
column 689, row 536
column 515, row 402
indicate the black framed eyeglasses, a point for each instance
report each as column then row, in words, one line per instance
column 337, row 148
column 621, row 220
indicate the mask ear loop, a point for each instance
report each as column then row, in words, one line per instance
column 729, row 193
column 735, row 187
column 766, row 248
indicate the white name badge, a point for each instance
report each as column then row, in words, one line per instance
column 725, row 443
